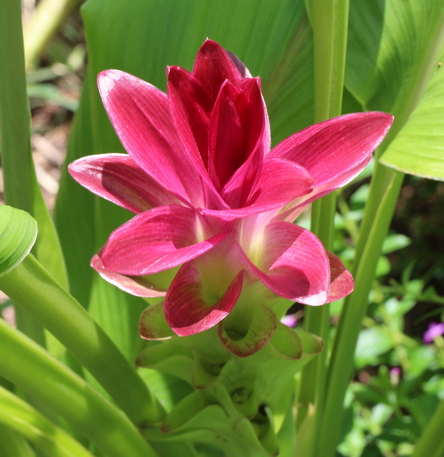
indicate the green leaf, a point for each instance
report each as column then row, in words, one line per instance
column 13, row 445
column 372, row 343
column 18, row 231
column 392, row 58
column 43, row 434
column 389, row 43
column 394, row 242
column 419, row 148
column 38, row 293
column 31, row 368
column 74, row 211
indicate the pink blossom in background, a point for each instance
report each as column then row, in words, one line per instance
column 214, row 204
column 434, row 330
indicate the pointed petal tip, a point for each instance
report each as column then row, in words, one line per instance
column 210, row 45
column 385, row 120
column 106, row 81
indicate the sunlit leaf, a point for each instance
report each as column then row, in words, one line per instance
column 388, row 43
column 419, row 148
column 392, row 58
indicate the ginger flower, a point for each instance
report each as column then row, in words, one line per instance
column 214, row 203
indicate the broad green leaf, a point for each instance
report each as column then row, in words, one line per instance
column 389, row 43
column 419, row 148
column 74, row 211
column 18, row 231
column 393, row 50
column 161, row 35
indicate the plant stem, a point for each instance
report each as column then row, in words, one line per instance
column 430, row 443
column 31, row 368
column 384, row 191
column 13, row 445
column 21, row 187
column 330, row 39
column 20, row 417
column 46, row 20
column 34, row 289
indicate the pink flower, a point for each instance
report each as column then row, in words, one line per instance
column 434, row 331
column 214, row 205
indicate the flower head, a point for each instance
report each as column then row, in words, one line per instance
column 214, row 203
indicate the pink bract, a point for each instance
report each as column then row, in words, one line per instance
column 214, row 203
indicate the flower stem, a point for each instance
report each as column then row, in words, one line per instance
column 384, row 191
column 329, row 21
column 47, row 18
column 20, row 183
column 431, row 442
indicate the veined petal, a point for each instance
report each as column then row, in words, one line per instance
column 335, row 151
column 341, row 279
column 186, row 308
column 141, row 117
column 156, row 240
column 294, row 264
column 213, row 65
column 256, row 143
column 117, row 178
column 226, row 137
column 141, row 286
column 191, row 107
column 281, row 181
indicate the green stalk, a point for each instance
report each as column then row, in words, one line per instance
column 21, row 187
column 384, row 191
column 431, row 443
column 329, row 20
column 46, row 20
column 31, row 368
column 13, row 445
column 355, row 307
column 34, row 289
column 22, row 418
column 20, row 182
